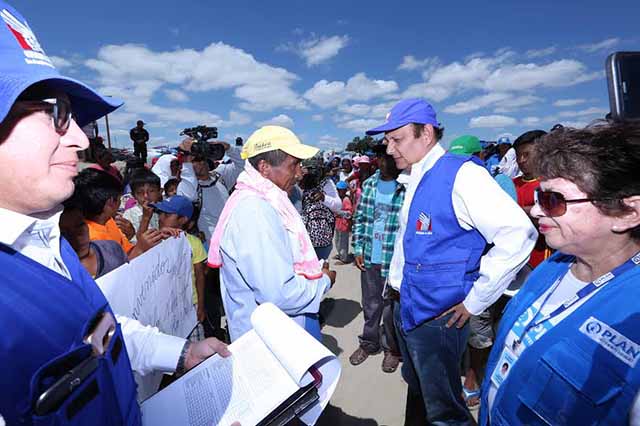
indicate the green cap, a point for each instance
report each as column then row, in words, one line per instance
column 465, row 145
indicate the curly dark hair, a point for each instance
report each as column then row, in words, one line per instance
column 603, row 160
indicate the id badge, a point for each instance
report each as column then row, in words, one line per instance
column 503, row 367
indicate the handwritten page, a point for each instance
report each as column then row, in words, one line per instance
column 249, row 384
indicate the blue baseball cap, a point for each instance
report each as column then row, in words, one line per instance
column 503, row 140
column 405, row 112
column 23, row 63
column 342, row 185
column 177, row 204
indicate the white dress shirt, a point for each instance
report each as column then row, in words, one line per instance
column 480, row 203
column 38, row 238
column 331, row 196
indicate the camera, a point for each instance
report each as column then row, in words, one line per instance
column 201, row 147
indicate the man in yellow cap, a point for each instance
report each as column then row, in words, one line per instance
column 260, row 243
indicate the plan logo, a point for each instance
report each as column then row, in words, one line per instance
column 423, row 225
column 33, row 52
column 623, row 348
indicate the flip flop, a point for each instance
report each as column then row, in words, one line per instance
column 469, row 396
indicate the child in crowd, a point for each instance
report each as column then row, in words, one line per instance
column 171, row 188
column 97, row 194
column 99, row 257
column 343, row 223
column 146, row 189
column 175, row 214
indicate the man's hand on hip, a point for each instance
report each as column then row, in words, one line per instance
column 360, row 262
column 459, row 317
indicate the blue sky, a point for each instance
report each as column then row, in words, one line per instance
column 330, row 70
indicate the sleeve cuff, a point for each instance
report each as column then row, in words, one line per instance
column 473, row 306
column 167, row 352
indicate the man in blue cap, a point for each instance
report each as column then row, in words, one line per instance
column 441, row 266
column 64, row 359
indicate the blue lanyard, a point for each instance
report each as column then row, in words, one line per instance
column 581, row 294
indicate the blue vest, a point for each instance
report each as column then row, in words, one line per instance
column 441, row 258
column 45, row 317
column 568, row 377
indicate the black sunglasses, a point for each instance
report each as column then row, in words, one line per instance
column 553, row 204
column 58, row 108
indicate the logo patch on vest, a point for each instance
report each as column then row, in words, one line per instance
column 623, row 348
column 423, row 225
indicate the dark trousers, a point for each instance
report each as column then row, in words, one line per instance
column 140, row 150
column 213, row 306
column 432, row 355
column 375, row 308
column 341, row 241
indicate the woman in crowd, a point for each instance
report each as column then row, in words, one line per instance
column 568, row 345
column 320, row 200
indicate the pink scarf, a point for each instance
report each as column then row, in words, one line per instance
column 250, row 182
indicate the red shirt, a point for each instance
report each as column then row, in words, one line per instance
column 525, row 190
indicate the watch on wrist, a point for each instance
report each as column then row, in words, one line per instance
column 180, row 368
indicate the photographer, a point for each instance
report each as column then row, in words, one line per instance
column 210, row 191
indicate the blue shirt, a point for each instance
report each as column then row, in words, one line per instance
column 258, row 267
column 383, row 205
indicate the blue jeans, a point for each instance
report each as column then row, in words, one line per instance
column 432, row 354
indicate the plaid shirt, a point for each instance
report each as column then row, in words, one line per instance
column 362, row 239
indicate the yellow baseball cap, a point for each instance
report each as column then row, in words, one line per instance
column 270, row 138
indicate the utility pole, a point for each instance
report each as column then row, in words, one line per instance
column 106, row 119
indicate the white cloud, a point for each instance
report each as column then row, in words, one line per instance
column 355, row 109
column 430, row 92
column 568, row 102
column 359, row 125
column 531, row 121
column 410, row 63
column 279, row 120
column 504, row 102
column 584, row 112
column 497, row 73
column 317, row 117
column 60, row 62
column 539, row 53
column 607, row 44
column 176, row 95
column 137, row 71
column 476, row 103
column 327, row 94
column 317, row 50
column 238, row 118
column 328, row 142
column 496, row 121
column 562, row 73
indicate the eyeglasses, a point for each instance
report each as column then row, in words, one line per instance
column 553, row 204
column 58, row 108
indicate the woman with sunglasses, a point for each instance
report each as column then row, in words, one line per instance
column 571, row 337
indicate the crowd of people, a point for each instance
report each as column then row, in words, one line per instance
column 547, row 226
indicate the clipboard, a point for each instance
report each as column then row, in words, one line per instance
column 296, row 404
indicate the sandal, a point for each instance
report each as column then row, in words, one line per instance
column 471, row 397
column 358, row 357
column 390, row 362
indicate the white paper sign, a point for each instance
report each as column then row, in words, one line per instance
column 155, row 289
